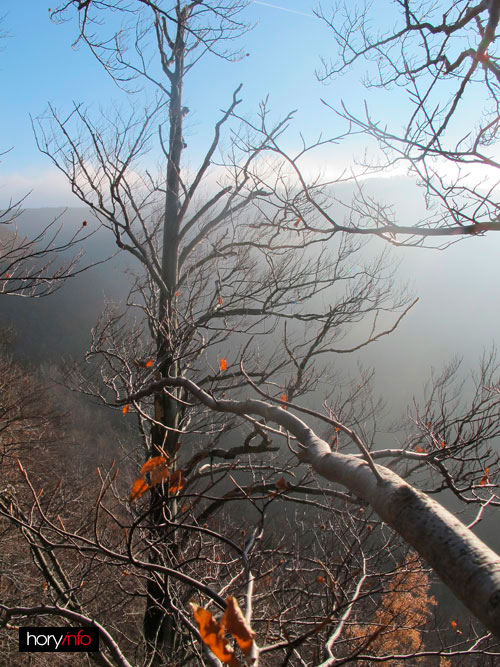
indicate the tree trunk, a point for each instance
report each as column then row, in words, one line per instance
column 160, row 628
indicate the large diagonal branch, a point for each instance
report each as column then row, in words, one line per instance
column 463, row 562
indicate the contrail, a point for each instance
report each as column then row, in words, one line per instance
column 285, row 9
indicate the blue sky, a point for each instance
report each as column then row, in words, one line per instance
column 39, row 65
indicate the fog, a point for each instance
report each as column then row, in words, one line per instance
column 457, row 313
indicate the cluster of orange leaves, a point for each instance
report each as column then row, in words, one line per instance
column 212, row 632
column 223, row 364
column 158, row 470
column 396, row 626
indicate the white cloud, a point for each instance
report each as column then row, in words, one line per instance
column 47, row 188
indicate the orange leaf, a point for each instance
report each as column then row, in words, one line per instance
column 282, row 484
column 337, row 429
column 420, row 450
column 125, row 409
column 223, row 364
column 149, row 363
column 236, row 624
column 486, row 477
column 453, row 624
column 159, row 474
column 139, row 488
column 443, row 444
column 320, row 579
column 212, row 634
column 297, row 222
column 153, row 463
column 187, row 506
column 220, row 300
column 8, row 275
column 177, row 481
column 284, row 399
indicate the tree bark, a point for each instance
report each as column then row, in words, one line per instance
column 160, row 629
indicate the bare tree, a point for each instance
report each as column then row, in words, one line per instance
column 202, row 258
column 233, row 302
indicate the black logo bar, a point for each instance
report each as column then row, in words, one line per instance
column 58, row 640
